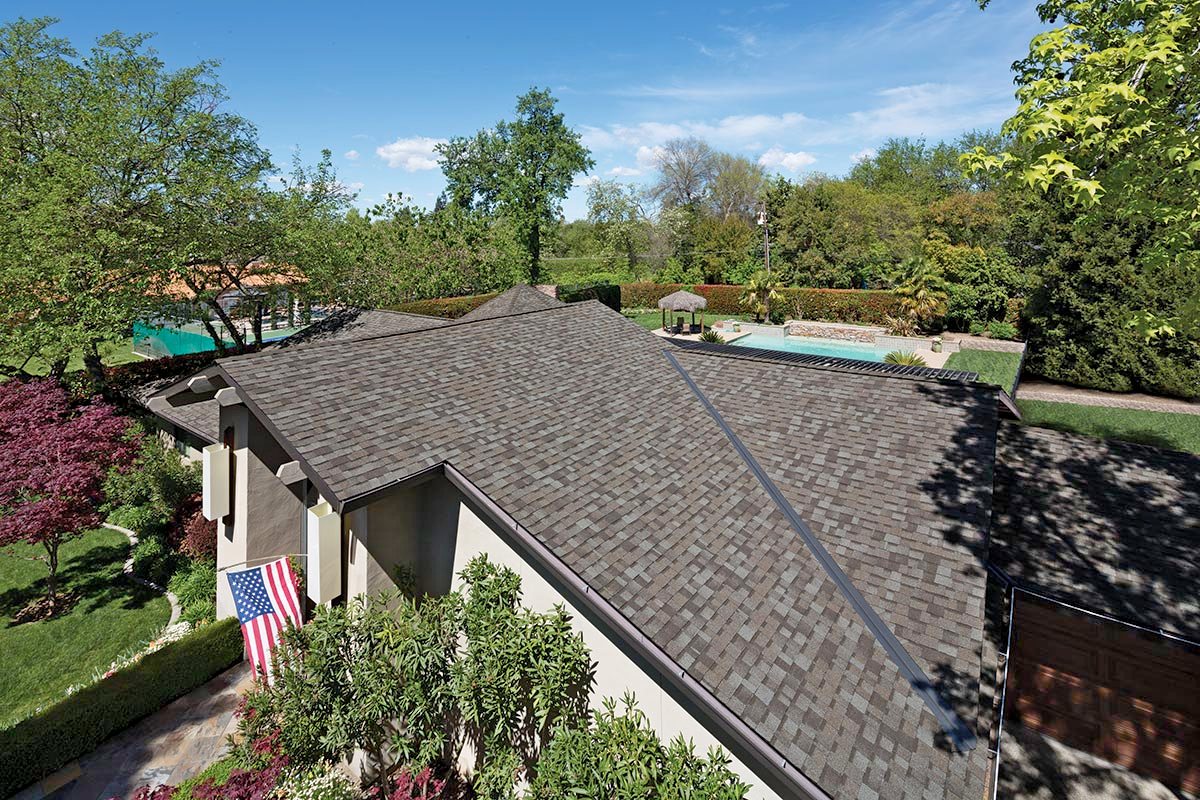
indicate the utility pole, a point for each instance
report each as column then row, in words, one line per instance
column 762, row 220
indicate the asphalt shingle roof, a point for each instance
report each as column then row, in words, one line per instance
column 202, row 419
column 574, row 422
column 517, row 300
column 1109, row 526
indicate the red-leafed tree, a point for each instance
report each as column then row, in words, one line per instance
column 53, row 458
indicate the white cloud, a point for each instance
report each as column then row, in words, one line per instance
column 412, row 154
column 862, row 155
column 625, row 172
column 351, row 155
column 357, row 186
column 587, row 180
column 778, row 158
column 929, row 109
column 738, row 131
column 648, row 157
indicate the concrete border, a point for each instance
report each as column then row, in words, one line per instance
column 128, row 570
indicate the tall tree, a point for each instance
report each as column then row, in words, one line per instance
column 1109, row 102
column 913, row 168
column 620, row 222
column 737, row 186
column 686, row 168
column 103, row 157
column 522, row 169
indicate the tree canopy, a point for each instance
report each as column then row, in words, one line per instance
column 1109, row 101
column 522, row 169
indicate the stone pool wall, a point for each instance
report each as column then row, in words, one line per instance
column 830, row 330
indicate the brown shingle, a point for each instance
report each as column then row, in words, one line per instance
column 573, row 421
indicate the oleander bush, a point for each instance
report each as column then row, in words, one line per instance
column 39, row 745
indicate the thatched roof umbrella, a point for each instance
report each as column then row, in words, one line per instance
column 683, row 301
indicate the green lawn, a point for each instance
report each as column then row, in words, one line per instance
column 1169, row 431
column 111, row 353
column 995, row 368
column 39, row 660
column 652, row 320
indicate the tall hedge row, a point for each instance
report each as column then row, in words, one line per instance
column 825, row 305
column 42, row 744
column 607, row 293
column 447, row 307
column 646, row 295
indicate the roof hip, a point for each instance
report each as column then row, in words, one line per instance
column 957, row 731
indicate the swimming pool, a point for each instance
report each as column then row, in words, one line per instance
column 834, row 348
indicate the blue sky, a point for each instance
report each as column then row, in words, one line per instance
column 800, row 87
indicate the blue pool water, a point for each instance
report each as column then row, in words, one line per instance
column 808, row 344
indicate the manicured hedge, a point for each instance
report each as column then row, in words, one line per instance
column 40, row 745
column 448, row 307
column 722, row 298
column 826, row 305
column 646, row 295
column 864, row 307
column 607, row 293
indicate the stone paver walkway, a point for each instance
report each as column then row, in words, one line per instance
column 1057, row 393
column 169, row 746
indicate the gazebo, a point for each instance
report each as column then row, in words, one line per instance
column 683, row 301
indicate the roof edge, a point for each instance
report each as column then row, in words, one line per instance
column 767, row 758
column 313, row 475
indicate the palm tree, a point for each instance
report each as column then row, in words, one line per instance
column 922, row 291
column 759, row 292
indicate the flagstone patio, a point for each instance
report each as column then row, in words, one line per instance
column 169, row 746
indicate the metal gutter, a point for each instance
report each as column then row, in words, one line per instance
column 1012, row 615
column 768, row 759
column 958, row 732
column 366, row 498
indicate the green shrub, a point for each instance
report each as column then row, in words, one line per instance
column 447, row 307
column 153, row 561
column 712, row 337
column 620, row 755
column 607, row 293
column 1076, row 322
column 1002, row 330
column 646, row 295
column 977, row 328
column 145, row 497
column 40, row 745
column 195, row 586
column 905, row 358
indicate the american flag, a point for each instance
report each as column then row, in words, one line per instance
column 266, row 602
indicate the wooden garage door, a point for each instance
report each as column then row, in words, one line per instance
column 1130, row 697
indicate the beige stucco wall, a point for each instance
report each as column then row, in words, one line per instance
column 439, row 534
column 262, row 503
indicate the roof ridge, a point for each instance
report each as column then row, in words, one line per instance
column 455, row 323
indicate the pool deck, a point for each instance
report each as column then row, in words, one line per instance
column 932, row 359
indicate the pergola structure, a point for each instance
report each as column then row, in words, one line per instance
column 683, row 301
